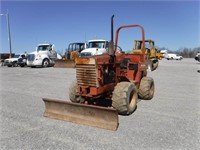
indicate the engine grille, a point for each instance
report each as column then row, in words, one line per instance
column 87, row 75
column 31, row 57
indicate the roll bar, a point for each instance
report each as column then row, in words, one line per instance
column 130, row 26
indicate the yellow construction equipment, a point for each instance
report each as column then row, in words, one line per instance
column 152, row 54
column 159, row 55
column 70, row 55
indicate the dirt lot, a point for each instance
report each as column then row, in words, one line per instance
column 171, row 120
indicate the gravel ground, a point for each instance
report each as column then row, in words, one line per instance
column 171, row 120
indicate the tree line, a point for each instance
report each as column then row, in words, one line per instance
column 185, row 52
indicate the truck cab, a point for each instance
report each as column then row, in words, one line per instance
column 44, row 56
column 74, row 50
column 95, row 47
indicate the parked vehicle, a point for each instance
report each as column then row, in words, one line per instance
column 44, row 56
column 164, row 51
column 152, row 54
column 197, row 57
column 73, row 51
column 95, row 47
column 106, row 85
column 173, row 56
column 22, row 60
column 13, row 62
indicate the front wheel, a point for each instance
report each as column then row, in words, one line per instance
column 72, row 92
column 9, row 65
column 45, row 63
column 124, row 98
column 14, row 64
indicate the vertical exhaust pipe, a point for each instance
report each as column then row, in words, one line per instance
column 111, row 43
column 112, row 22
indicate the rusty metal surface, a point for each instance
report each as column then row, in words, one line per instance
column 64, row 63
column 87, row 75
column 96, row 116
column 86, row 60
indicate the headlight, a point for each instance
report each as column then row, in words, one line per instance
column 38, row 56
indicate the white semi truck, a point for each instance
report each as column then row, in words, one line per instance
column 95, row 47
column 44, row 56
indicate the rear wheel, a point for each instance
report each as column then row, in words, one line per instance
column 45, row 63
column 72, row 92
column 124, row 98
column 146, row 88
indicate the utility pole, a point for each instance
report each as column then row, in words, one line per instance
column 9, row 34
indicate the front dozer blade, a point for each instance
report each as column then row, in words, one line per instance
column 64, row 63
column 101, row 117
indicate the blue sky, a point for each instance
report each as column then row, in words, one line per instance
column 172, row 24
